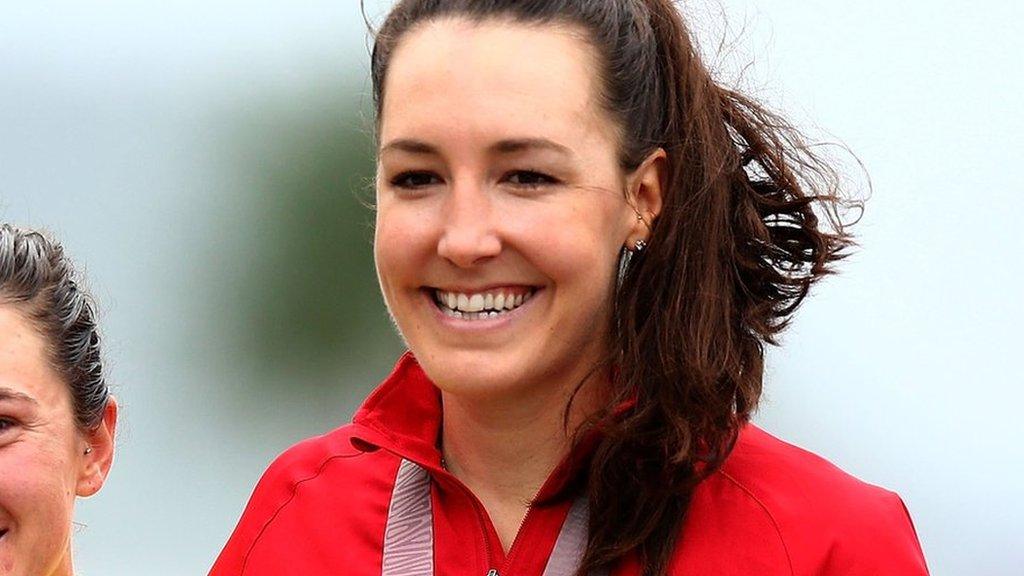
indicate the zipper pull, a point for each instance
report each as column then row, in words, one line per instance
column 492, row 572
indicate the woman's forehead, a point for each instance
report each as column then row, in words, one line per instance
column 495, row 78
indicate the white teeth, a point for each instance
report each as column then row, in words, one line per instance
column 481, row 305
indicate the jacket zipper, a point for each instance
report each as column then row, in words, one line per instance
column 482, row 521
column 515, row 542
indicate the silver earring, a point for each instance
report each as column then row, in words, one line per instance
column 639, row 246
column 88, row 451
column 640, row 218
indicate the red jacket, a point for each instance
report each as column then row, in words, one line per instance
column 772, row 509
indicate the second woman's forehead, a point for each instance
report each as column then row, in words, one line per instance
column 452, row 80
column 26, row 371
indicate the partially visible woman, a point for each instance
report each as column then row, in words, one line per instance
column 57, row 417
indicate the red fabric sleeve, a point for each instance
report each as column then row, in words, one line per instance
column 272, row 493
column 884, row 543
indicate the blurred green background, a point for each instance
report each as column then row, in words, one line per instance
column 304, row 290
column 209, row 165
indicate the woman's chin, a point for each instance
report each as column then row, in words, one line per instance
column 478, row 386
column 476, row 375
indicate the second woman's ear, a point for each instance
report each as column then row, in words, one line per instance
column 645, row 192
column 98, row 452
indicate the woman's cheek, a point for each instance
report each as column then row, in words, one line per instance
column 564, row 242
column 37, row 493
column 403, row 236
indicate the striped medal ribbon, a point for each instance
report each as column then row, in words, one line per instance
column 409, row 535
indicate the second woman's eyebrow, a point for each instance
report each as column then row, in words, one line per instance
column 7, row 394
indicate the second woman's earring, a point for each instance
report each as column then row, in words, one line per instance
column 639, row 246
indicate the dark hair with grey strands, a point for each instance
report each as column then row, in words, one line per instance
column 40, row 282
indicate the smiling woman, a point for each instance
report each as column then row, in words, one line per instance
column 586, row 244
column 513, row 194
column 56, row 417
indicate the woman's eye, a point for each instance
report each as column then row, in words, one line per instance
column 413, row 180
column 529, row 179
column 6, row 424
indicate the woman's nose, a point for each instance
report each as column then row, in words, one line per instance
column 469, row 234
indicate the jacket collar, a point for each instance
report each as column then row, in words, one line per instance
column 403, row 416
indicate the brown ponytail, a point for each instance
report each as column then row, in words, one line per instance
column 750, row 221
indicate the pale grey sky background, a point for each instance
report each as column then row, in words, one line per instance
column 143, row 134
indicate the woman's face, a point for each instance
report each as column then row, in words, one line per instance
column 501, row 206
column 42, row 461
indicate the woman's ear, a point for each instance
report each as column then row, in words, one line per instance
column 97, row 452
column 645, row 193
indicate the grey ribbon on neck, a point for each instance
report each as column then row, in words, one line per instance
column 409, row 533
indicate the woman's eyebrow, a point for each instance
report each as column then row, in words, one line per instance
column 508, row 146
column 523, row 144
column 410, row 146
column 6, row 394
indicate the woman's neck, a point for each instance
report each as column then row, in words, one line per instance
column 504, row 450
